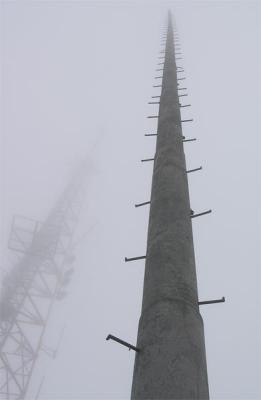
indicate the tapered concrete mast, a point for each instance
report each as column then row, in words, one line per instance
column 171, row 363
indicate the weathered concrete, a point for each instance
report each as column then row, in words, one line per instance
column 172, row 362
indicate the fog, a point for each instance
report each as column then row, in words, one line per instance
column 76, row 80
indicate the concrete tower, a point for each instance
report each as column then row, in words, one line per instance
column 171, row 363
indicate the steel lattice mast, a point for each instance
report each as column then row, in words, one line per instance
column 170, row 362
column 34, row 284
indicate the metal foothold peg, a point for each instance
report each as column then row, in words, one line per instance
column 194, row 170
column 134, row 258
column 148, row 159
column 187, row 120
column 222, row 300
column 142, row 204
column 126, row 344
column 203, row 213
column 189, row 140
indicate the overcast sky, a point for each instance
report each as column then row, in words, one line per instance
column 77, row 77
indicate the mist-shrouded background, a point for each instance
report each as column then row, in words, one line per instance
column 76, row 80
